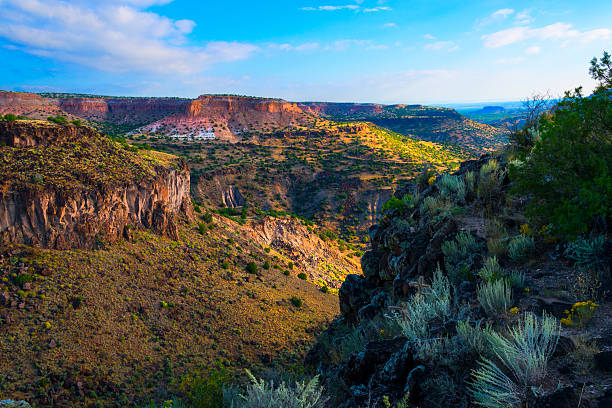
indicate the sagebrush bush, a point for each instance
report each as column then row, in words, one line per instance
column 521, row 247
column 452, row 187
column 495, row 297
column 497, row 247
column 528, row 346
column 436, row 206
column 433, row 303
column 492, row 388
column 490, row 271
column 490, row 167
column 470, row 180
column 524, row 352
column 517, row 279
column 262, row 394
column 460, row 256
column 475, row 337
column 587, row 252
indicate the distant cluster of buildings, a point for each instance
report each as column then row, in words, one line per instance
column 208, row 134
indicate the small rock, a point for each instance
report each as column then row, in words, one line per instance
column 562, row 398
column 603, row 360
column 564, row 347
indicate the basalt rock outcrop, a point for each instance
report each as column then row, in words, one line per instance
column 70, row 187
column 375, row 362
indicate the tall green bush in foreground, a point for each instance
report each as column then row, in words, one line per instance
column 568, row 172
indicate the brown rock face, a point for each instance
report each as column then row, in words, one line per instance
column 128, row 110
column 85, row 217
column 24, row 134
column 207, row 104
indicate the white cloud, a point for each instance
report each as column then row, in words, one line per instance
column 557, row 31
column 309, row 46
column 115, row 35
column 495, row 17
column 331, row 8
column 390, row 25
column 442, row 45
column 523, row 18
column 375, row 9
column 354, row 7
column 503, row 13
column 429, row 37
column 533, row 50
column 341, row 45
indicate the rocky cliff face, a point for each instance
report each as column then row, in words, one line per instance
column 42, row 212
column 444, row 248
column 24, row 134
column 124, row 110
column 207, row 104
column 323, row 263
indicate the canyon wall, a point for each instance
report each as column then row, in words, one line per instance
column 84, row 216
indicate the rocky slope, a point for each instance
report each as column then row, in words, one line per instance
column 442, row 125
column 66, row 186
column 415, row 325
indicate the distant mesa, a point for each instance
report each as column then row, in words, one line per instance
column 229, row 117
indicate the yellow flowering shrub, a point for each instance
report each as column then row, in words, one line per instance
column 525, row 229
column 514, row 310
column 580, row 314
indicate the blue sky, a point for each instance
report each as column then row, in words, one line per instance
column 387, row 51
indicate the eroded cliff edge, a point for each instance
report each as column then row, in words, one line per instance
column 66, row 186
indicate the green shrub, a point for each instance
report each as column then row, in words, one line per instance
column 266, row 265
column 476, row 337
column 497, row 247
column 452, row 187
column 524, row 354
column 207, row 217
column 586, row 252
column 460, row 256
column 302, row 276
column 76, row 122
column 61, row 120
column 400, row 204
column 568, row 172
column 202, row 228
column 470, row 180
column 10, row 117
column 492, row 388
column 517, row 279
column 490, row 271
column 433, row 303
column 528, row 346
column 495, row 297
column 22, row 279
column 490, row 182
column 324, row 289
column 251, row 267
column 521, row 247
column 204, row 389
column 286, row 272
column 262, row 394
column 296, row 301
